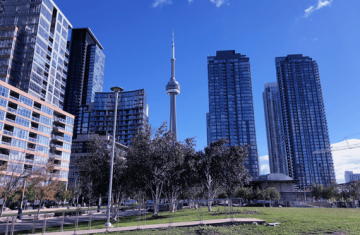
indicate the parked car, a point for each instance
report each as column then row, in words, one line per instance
column 129, row 202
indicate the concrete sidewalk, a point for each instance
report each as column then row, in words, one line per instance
column 158, row 226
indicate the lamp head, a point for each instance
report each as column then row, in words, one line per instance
column 117, row 89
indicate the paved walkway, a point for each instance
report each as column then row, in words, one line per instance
column 158, row 226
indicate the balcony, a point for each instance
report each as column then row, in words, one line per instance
column 59, row 119
column 56, row 146
column 43, row 95
column 12, row 110
column 64, row 75
column 35, row 119
column 29, row 161
column 61, row 98
column 62, row 90
column 34, row 128
column 50, row 44
column 43, row 86
column 65, row 69
column 47, row 69
column 67, row 51
column 37, row 108
column 59, row 128
column 45, row 78
column 51, row 34
column 61, row 106
column 14, row 98
column 10, row 120
column 30, row 148
column 58, row 137
column 6, row 143
column 63, row 83
column 4, row 156
column 6, row 132
column 49, row 53
column 66, row 59
column 48, row 61
column 32, row 139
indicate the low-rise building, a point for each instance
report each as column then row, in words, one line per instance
column 351, row 177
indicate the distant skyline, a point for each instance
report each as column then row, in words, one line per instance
column 137, row 41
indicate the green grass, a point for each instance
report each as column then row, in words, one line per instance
column 293, row 221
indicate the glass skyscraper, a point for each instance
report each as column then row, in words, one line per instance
column 231, row 111
column 304, row 122
column 275, row 136
column 98, row 116
column 86, row 72
column 33, row 48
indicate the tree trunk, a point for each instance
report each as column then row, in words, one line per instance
column 3, row 206
column 39, row 206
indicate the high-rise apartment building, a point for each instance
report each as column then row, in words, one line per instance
column 231, row 111
column 98, row 116
column 304, row 122
column 275, row 136
column 86, row 71
column 32, row 132
column 33, row 48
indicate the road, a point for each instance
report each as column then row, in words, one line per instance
column 27, row 224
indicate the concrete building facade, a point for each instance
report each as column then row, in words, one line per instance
column 33, row 132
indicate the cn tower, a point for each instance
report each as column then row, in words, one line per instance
column 173, row 89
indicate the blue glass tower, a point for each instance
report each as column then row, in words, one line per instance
column 86, row 73
column 275, row 136
column 231, row 111
column 304, row 121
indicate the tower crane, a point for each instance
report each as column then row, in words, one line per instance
column 347, row 146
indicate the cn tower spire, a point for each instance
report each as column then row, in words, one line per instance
column 173, row 89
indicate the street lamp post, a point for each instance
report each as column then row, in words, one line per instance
column 116, row 90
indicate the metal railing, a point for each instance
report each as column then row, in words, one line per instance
column 14, row 98
column 6, row 143
column 62, row 90
column 67, row 51
column 50, row 44
column 32, row 139
column 37, row 108
column 35, row 119
column 49, row 52
column 10, row 120
column 66, row 59
column 12, row 110
column 34, row 128
column 51, row 34
column 75, row 219
column 6, row 132
column 31, row 149
column 4, row 156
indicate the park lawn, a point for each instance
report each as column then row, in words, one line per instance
column 292, row 221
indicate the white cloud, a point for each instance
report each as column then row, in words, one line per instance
column 264, row 158
column 320, row 4
column 264, row 169
column 323, row 3
column 218, row 3
column 346, row 160
column 157, row 3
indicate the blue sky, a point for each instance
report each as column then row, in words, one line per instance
column 136, row 36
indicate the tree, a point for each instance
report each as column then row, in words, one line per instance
column 244, row 193
column 354, row 189
column 317, row 191
column 220, row 168
column 46, row 185
column 177, row 181
column 63, row 194
column 94, row 168
column 148, row 161
column 331, row 191
column 272, row 194
column 12, row 175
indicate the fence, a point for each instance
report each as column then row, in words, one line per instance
column 88, row 219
